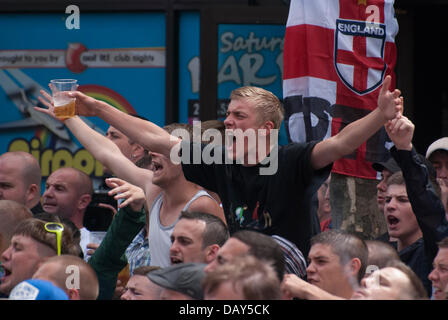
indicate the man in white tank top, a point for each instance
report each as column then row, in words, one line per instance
column 160, row 238
column 173, row 195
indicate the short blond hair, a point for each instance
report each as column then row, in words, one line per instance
column 268, row 106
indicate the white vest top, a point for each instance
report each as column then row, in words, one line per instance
column 160, row 236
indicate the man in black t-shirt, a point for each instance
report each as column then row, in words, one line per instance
column 272, row 204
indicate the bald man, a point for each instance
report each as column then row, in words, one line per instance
column 72, row 274
column 20, row 179
column 68, row 192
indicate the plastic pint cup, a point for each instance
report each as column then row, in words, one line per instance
column 64, row 106
column 96, row 236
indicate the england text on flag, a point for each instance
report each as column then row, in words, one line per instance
column 336, row 55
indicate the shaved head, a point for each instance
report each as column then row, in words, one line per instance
column 82, row 181
column 20, row 178
column 68, row 192
column 55, row 269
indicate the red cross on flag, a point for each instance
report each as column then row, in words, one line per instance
column 336, row 56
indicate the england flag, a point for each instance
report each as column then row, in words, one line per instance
column 336, row 56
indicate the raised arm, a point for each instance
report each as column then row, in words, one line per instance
column 353, row 135
column 104, row 150
column 145, row 133
column 294, row 287
column 426, row 204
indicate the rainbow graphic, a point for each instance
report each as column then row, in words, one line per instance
column 43, row 135
column 107, row 95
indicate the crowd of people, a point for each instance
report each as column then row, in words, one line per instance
column 223, row 216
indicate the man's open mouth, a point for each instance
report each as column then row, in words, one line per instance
column 6, row 273
column 175, row 260
column 156, row 166
column 391, row 220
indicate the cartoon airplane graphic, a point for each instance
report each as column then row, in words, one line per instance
column 20, row 97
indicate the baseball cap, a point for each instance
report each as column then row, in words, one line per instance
column 393, row 167
column 183, row 277
column 35, row 289
column 440, row 144
column 390, row 165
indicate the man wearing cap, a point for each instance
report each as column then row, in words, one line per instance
column 437, row 154
column 139, row 287
column 180, row 281
column 386, row 169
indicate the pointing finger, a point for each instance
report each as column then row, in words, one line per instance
column 386, row 84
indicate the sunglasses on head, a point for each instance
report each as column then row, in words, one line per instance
column 55, row 227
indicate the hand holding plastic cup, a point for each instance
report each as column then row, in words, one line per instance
column 64, row 106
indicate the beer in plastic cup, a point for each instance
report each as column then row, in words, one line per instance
column 64, row 106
